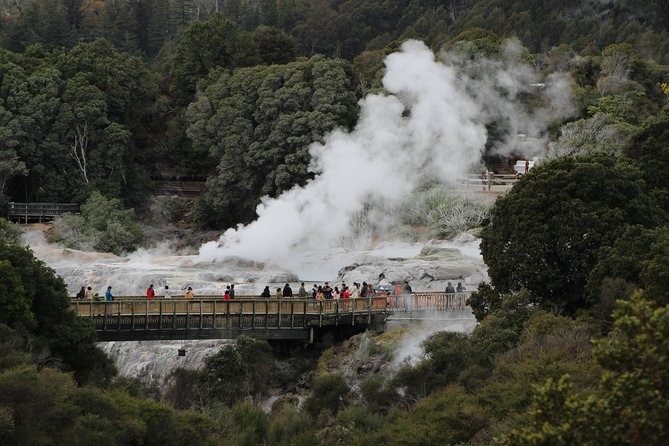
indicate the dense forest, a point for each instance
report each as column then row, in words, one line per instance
column 109, row 96
column 99, row 99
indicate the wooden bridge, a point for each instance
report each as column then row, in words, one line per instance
column 133, row 319
column 38, row 212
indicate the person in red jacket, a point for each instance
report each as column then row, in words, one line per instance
column 150, row 292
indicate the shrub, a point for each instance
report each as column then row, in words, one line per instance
column 102, row 225
column 329, row 392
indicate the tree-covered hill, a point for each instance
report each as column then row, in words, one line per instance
column 341, row 28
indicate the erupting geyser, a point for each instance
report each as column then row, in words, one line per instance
column 430, row 125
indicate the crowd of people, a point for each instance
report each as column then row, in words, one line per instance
column 317, row 292
column 86, row 293
column 325, row 291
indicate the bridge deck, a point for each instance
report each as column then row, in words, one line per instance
column 212, row 318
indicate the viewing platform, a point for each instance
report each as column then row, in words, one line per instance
column 38, row 212
column 134, row 319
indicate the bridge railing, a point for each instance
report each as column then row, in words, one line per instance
column 431, row 301
column 39, row 211
column 179, row 314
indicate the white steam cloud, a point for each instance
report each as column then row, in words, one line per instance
column 430, row 125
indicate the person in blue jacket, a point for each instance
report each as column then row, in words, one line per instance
column 108, row 295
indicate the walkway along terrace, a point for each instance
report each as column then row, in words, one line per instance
column 134, row 319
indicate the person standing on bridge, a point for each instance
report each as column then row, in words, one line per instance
column 150, row 292
column 265, row 292
column 82, row 293
column 168, row 294
column 109, row 297
column 449, row 289
column 287, row 291
column 407, row 288
column 189, row 293
column 460, row 288
column 327, row 291
column 302, row 292
column 89, row 293
column 355, row 294
column 232, row 291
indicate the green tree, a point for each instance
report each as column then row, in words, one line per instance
column 630, row 404
column 247, row 425
column 546, row 232
column 329, row 392
column 204, row 46
column 9, row 233
column 35, row 300
column 257, row 124
column 655, row 272
column 274, row 45
column 649, row 148
column 238, row 371
column 621, row 267
column 103, row 223
column 14, row 304
column 38, row 403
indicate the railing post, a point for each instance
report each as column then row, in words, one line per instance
column 279, row 301
column 213, row 323
column 336, row 313
column 304, row 313
column 292, row 314
column 118, row 321
column 320, row 313
column 369, row 310
column 187, row 314
column 266, row 314
column 253, row 311
column 200, row 314
column 160, row 312
column 146, row 322
column 132, row 315
column 228, row 322
column 104, row 320
column 241, row 314
column 354, row 303
column 174, row 315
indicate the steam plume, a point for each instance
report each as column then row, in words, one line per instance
column 430, row 125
